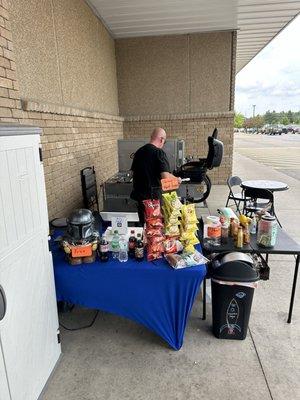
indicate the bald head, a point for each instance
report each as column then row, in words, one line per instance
column 158, row 137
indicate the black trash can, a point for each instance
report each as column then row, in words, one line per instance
column 233, row 284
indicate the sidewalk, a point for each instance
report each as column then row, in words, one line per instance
column 117, row 359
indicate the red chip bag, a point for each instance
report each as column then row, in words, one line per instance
column 154, row 223
column 155, row 247
column 153, row 256
column 153, row 232
column 170, row 246
column 156, row 239
column 152, row 209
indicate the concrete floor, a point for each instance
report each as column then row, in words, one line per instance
column 117, row 359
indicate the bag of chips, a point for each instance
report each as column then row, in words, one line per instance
column 170, row 246
column 189, row 214
column 155, row 247
column 185, row 260
column 154, row 223
column 172, row 230
column 151, row 232
column 152, row 209
column 189, row 248
column 189, row 237
column 156, row 239
column 175, row 261
column 189, row 227
column 151, row 256
column 195, row 258
column 171, row 201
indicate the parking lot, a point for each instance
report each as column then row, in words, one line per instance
column 281, row 152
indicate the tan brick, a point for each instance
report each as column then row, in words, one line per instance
column 3, row 92
column 16, row 85
column 9, row 54
column 9, row 45
column 4, row 62
column 5, row 33
column 19, row 114
column 5, row 112
column 9, row 103
column 11, row 75
column 3, row 42
column 14, row 94
column 2, row 21
column 4, row 13
column 7, row 83
column 8, row 25
column 13, row 66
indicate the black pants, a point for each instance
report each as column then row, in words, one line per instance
column 141, row 210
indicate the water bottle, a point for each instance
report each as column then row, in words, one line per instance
column 123, row 250
column 115, row 244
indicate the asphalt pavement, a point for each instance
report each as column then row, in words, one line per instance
column 280, row 152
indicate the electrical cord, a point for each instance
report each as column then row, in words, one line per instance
column 81, row 327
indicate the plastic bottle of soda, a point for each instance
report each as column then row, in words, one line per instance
column 139, row 248
column 123, row 250
column 115, row 245
column 132, row 244
column 104, row 250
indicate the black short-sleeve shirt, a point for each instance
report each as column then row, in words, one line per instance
column 148, row 163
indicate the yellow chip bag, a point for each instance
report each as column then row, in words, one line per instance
column 189, row 248
column 189, row 214
column 189, row 227
column 171, row 202
column 189, row 237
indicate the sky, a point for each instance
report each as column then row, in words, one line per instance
column 271, row 80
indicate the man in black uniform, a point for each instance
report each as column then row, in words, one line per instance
column 150, row 164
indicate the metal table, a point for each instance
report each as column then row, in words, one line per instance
column 273, row 186
column 284, row 245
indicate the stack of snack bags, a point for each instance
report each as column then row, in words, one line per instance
column 188, row 227
column 153, row 231
column 172, row 212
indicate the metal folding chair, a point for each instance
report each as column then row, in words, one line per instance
column 237, row 197
column 257, row 200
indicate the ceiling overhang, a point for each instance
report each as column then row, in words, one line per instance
column 256, row 21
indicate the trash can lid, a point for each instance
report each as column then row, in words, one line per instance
column 236, row 271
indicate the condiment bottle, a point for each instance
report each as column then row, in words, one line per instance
column 240, row 238
column 246, row 234
column 139, row 248
column 234, row 225
column 224, row 233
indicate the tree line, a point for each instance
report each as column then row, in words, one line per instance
column 270, row 117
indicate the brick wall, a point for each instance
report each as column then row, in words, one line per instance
column 194, row 129
column 72, row 138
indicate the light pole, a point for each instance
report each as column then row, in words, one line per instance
column 254, row 105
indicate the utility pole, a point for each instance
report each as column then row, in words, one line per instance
column 255, row 128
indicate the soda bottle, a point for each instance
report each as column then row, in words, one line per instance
column 123, row 250
column 139, row 248
column 240, row 238
column 115, row 244
column 104, row 250
column 132, row 244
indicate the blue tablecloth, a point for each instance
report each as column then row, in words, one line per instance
column 152, row 294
